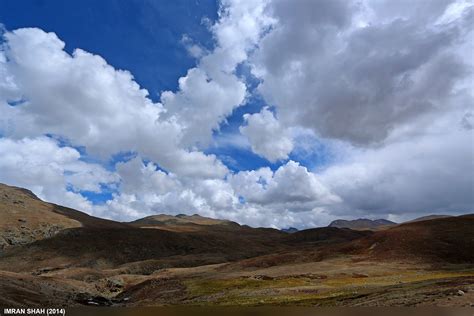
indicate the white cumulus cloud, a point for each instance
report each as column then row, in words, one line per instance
column 41, row 165
column 266, row 135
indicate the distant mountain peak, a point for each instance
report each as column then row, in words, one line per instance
column 180, row 222
column 290, row 230
column 362, row 223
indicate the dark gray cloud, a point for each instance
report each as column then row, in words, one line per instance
column 392, row 80
column 333, row 67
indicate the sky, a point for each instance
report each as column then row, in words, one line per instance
column 274, row 113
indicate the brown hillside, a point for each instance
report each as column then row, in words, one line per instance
column 24, row 218
column 448, row 239
column 326, row 235
column 112, row 247
column 427, row 218
column 363, row 224
column 182, row 222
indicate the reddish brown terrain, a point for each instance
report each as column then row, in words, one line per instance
column 52, row 255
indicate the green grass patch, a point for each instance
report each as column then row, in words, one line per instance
column 209, row 287
column 300, row 291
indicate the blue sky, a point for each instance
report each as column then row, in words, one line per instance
column 269, row 113
column 144, row 37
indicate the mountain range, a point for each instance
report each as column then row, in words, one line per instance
column 50, row 254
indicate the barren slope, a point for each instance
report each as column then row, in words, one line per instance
column 24, row 218
column 184, row 223
column 362, row 224
column 448, row 239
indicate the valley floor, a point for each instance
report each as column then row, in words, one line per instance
column 342, row 281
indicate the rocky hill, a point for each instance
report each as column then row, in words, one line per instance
column 362, row 223
column 182, row 222
column 24, row 218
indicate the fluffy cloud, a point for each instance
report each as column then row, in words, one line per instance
column 394, row 82
column 210, row 92
column 88, row 102
column 47, row 169
column 202, row 103
column 415, row 174
column 238, row 31
column 257, row 198
column 357, row 72
column 267, row 137
column 146, row 190
column 385, row 85
column 290, row 184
